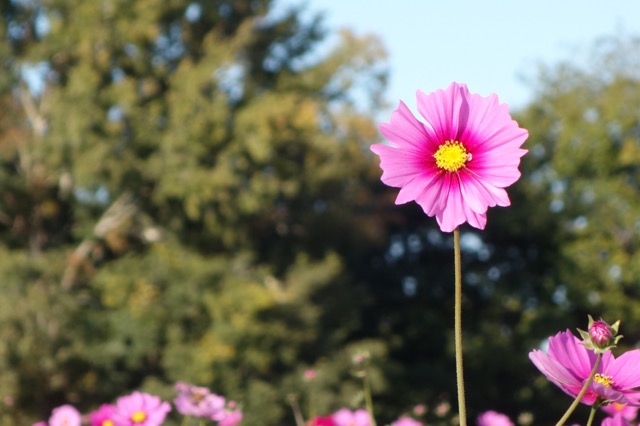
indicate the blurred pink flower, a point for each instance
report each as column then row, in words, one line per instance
column 103, row 416
column 617, row 420
column 457, row 164
column 321, row 421
column 65, row 415
column 40, row 424
column 493, row 418
column 406, row 421
column 309, row 374
column 228, row 417
column 568, row 364
column 346, row 417
column 419, row 409
column 197, row 401
column 140, row 409
column 627, row 411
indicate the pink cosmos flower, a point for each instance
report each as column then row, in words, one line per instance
column 65, row 415
column 228, row 417
column 457, row 164
column 627, row 411
column 103, row 416
column 321, row 421
column 568, row 364
column 140, row 409
column 406, row 421
column 493, row 418
column 346, row 417
column 309, row 374
column 197, row 401
column 617, row 420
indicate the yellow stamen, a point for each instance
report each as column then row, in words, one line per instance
column 107, row 423
column 605, row 381
column 451, row 156
column 138, row 417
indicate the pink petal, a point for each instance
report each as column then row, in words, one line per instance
column 399, row 166
column 625, row 370
column 553, row 370
column 430, row 199
column 567, row 349
column 413, row 189
column 406, row 131
column 479, row 196
column 452, row 213
column 442, row 110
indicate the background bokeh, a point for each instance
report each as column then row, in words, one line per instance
column 187, row 193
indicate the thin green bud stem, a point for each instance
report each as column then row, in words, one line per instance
column 592, row 415
column 368, row 399
column 575, row 403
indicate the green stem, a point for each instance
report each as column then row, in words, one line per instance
column 368, row 400
column 185, row 421
column 592, row 415
column 295, row 407
column 462, row 412
column 582, row 392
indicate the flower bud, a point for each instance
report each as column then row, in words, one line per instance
column 600, row 333
column 600, row 336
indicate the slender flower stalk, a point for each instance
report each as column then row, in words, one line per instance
column 592, row 415
column 462, row 412
column 295, row 407
column 576, row 401
column 368, row 400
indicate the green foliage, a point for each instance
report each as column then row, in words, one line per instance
column 190, row 197
column 180, row 200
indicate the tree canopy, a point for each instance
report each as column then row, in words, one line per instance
column 187, row 194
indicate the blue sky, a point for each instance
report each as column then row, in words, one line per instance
column 492, row 46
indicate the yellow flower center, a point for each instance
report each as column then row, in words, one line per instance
column 138, row 417
column 107, row 423
column 451, row 156
column 605, row 381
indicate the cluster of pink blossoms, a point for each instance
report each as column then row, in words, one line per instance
column 361, row 417
column 569, row 361
column 143, row 409
column 346, row 417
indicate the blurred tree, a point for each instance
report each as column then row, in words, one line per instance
column 187, row 194
column 181, row 185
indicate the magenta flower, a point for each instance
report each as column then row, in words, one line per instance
column 457, row 164
column 321, row 421
column 493, row 418
column 617, row 420
column 346, row 417
column 627, row 411
column 568, row 364
column 103, row 416
column 228, row 417
column 140, row 409
column 197, row 401
column 65, row 415
column 406, row 421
